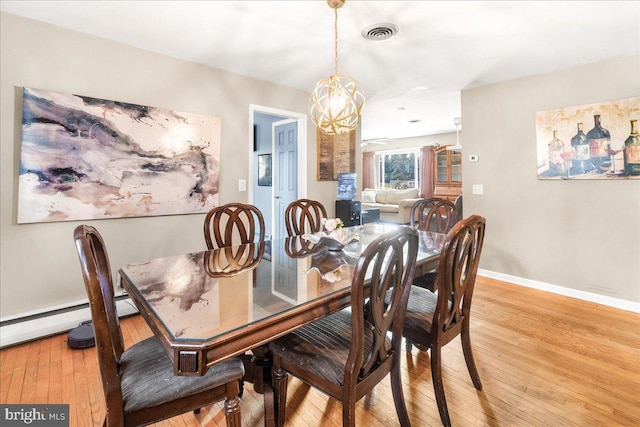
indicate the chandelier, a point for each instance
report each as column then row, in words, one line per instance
column 336, row 102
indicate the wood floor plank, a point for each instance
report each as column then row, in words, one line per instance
column 80, row 386
column 67, row 383
column 55, row 370
column 543, row 359
column 42, row 377
column 94, row 386
column 31, row 372
column 17, row 374
column 8, row 363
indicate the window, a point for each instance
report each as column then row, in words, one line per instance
column 398, row 169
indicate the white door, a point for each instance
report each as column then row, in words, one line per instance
column 285, row 171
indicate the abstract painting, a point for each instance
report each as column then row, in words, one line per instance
column 592, row 141
column 90, row 158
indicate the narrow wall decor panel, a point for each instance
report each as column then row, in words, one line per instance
column 89, row 158
column 336, row 154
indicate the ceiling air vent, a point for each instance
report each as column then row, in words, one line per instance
column 378, row 32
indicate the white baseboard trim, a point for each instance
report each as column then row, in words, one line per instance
column 35, row 327
column 561, row 290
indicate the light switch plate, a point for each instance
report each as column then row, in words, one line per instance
column 478, row 189
column 242, row 185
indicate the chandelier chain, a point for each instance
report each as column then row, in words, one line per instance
column 335, row 32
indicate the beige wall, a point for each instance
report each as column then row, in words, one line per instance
column 38, row 263
column 582, row 235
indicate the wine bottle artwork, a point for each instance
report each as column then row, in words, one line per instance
column 582, row 163
column 632, row 151
column 598, row 139
column 590, row 141
column 557, row 165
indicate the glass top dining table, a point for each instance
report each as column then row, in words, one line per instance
column 211, row 305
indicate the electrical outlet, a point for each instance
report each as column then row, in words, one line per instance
column 473, row 158
column 478, row 189
column 242, row 185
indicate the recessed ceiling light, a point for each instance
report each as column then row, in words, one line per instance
column 379, row 32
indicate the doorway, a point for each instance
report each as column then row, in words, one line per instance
column 264, row 123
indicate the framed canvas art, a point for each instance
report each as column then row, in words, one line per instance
column 593, row 141
column 264, row 170
column 90, row 158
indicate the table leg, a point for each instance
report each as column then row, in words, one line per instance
column 269, row 405
column 262, row 381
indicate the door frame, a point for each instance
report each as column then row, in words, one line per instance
column 301, row 119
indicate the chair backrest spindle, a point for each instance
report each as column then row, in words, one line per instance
column 304, row 216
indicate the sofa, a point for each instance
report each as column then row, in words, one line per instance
column 394, row 205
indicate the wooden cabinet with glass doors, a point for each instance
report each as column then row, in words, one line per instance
column 448, row 174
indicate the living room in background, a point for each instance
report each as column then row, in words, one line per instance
column 90, row 158
column 398, row 169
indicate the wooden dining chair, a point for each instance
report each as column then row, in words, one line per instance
column 433, row 214
column 437, row 215
column 233, row 224
column 139, row 384
column 347, row 353
column 433, row 320
column 304, row 216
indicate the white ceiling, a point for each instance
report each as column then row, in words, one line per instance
column 441, row 48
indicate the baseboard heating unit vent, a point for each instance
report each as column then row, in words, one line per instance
column 55, row 321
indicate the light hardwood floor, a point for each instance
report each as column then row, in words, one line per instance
column 544, row 360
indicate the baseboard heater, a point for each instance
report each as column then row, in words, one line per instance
column 52, row 322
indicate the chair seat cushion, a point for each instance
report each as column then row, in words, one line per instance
column 147, row 378
column 426, row 281
column 420, row 309
column 322, row 347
